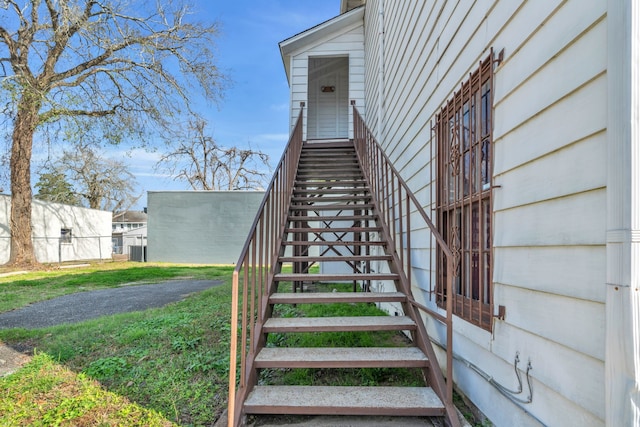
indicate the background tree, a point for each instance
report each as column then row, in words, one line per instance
column 197, row 159
column 102, row 183
column 53, row 186
column 113, row 66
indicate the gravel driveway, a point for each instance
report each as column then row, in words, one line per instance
column 82, row 306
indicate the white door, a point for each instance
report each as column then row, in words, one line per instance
column 328, row 114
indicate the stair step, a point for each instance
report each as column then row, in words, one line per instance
column 333, row 230
column 344, row 198
column 322, row 164
column 333, row 243
column 330, row 182
column 334, row 297
column 322, row 191
column 341, row 400
column 332, row 218
column 354, row 357
column 332, row 207
column 337, row 324
column 339, row 258
column 330, row 277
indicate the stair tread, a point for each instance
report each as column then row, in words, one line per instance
column 331, row 217
column 332, row 207
column 333, row 297
column 282, row 277
column 337, row 258
column 354, row 323
column 333, row 243
column 344, row 400
column 358, row 190
column 347, row 357
column 334, row 200
column 317, row 230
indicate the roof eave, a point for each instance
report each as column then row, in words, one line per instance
column 309, row 36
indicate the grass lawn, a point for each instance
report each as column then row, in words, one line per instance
column 155, row 367
column 173, row 361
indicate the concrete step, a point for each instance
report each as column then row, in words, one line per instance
column 357, row 357
column 339, row 324
column 394, row 401
column 335, row 297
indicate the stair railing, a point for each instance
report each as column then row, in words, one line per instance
column 253, row 275
column 404, row 216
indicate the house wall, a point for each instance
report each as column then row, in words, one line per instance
column 349, row 43
column 90, row 230
column 549, row 204
column 206, row 227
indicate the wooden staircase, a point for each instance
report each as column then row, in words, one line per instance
column 331, row 230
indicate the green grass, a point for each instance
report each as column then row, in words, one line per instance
column 19, row 290
column 173, row 360
column 161, row 365
column 45, row 393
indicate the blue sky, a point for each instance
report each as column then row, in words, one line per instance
column 255, row 107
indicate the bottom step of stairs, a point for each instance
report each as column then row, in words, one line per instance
column 343, row 400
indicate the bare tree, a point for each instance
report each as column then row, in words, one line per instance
column 102, row 183
column 117, row 67
column 200, row 161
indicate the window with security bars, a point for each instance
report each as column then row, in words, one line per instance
column 464, row 141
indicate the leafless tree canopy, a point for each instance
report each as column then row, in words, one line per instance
column 100, row 182
column 197, row 159
column 117, row 67
column 129, row 59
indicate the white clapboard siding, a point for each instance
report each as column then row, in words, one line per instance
column 550, row 124
column 573, row 380
column 571, row 385
column 579, row 270
column 574, row 323
column 576, row 219
column 555, row 174
column 346, row 42
column 553, row 130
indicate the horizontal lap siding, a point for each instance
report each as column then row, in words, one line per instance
column 549, row 209
column 351, row 44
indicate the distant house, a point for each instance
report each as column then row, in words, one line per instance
column 204, row 227
column 61, row 232
column 516, row 125
column 129, row 229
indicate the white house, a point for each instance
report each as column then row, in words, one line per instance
column 516, row 124
column 129, row 234
column 61, row 232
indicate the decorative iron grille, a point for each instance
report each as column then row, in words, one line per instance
column 464, row 141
